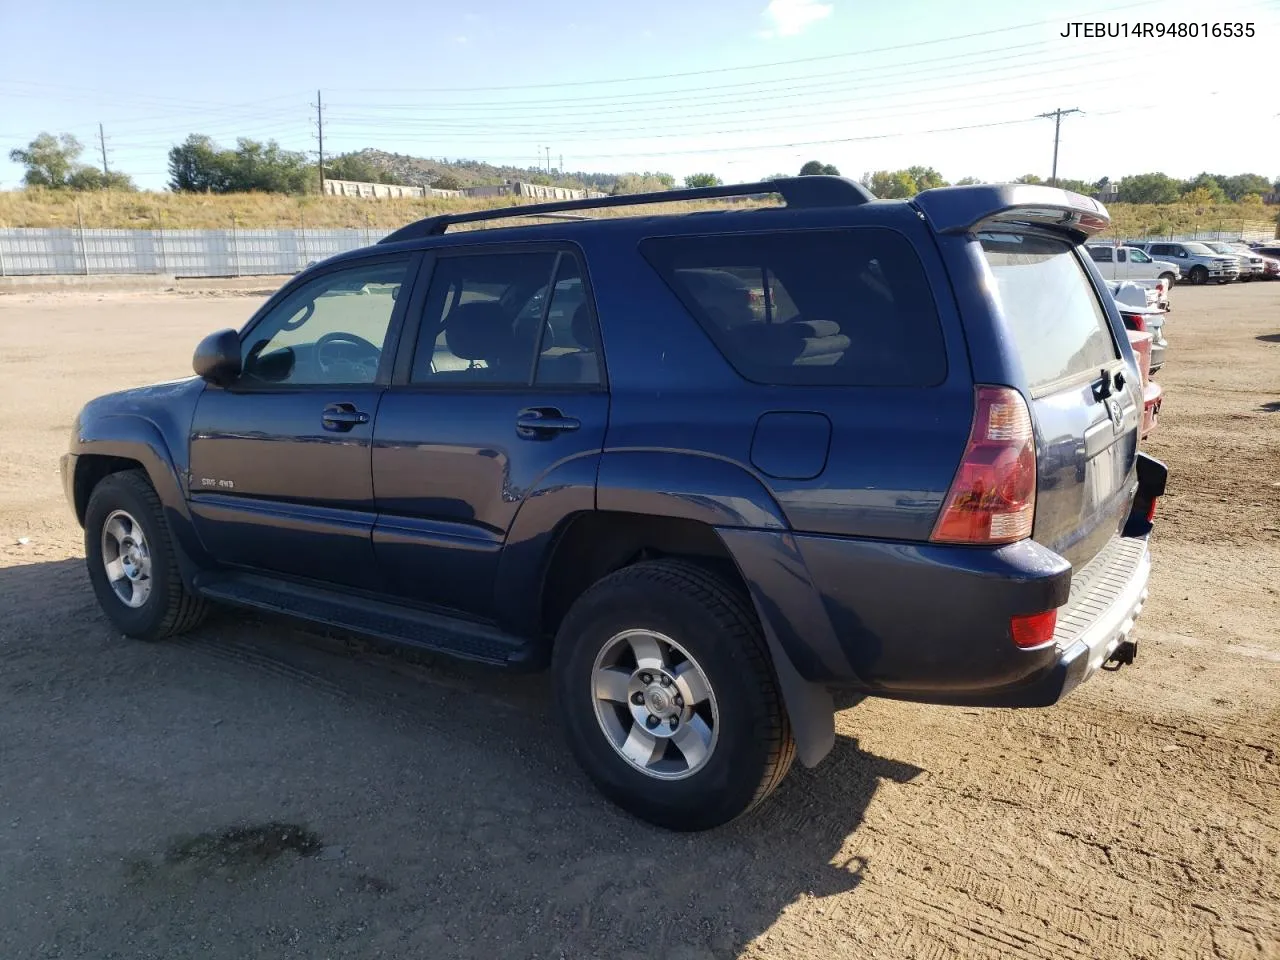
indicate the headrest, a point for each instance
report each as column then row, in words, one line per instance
column 480, row 330
column 582, row 333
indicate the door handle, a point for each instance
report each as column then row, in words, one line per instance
column 541, row 423
column 342, row 416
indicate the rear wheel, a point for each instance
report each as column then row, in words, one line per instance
column 1168, row 278
column 670, row 704
column 131, row 560
column 1199, row 275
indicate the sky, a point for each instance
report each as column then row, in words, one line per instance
column 739, row 88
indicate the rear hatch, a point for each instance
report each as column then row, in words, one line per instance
column 1085, row 408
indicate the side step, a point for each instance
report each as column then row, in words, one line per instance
column 437, row 632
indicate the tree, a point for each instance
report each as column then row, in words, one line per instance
column 967, row 181
column 1149, row 188
column 702, row 180
column 53, row 162
column 1028, row 178
column 446, row 181
column 891, row 184
column 199, row 165
column 815, row 168
column 1076, row 186
column 1202, row 197
column 925, row 178
column 1207, row 188
column 1243, row 184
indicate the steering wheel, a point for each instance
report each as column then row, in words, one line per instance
column 364, row 363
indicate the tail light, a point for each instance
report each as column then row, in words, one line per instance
column 1134, row 321
column 993, row 496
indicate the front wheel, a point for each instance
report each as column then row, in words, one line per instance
column 1168, row 278
column 131, row 560
column 1199, row 275
column 668, row 695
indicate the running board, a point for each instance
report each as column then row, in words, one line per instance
column 424, row 629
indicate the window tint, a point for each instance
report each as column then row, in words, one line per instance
column 1122, row 256
column 1137, row 256
column 836, row 307
column 568, row 354
column 1100, row 254
column 1058, row 326
column 1163, row 250
column 481, row 319
column 330, row 330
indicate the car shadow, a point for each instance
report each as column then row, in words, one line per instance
column 1271, row 406
column 1268, row 337
column 439, row 798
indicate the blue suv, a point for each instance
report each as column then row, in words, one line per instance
column 708, row 468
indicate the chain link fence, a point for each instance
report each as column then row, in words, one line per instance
column 180, row 253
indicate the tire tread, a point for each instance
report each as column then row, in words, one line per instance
column 184, row 610
column 735, row 615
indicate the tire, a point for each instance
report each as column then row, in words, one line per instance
column 713, row 624
column 1198, row 275
column 1168, row 278
column 155, row 603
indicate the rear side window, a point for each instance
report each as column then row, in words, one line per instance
column 817, row 307
column 1100, row 254
column 1059, row 328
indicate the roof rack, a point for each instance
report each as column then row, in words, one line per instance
column 817, row 191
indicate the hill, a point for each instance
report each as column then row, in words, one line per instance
column 431, row 172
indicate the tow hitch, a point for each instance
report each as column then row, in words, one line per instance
column 1123, row 655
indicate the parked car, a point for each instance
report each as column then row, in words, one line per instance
column 914, row 472
column 1252, row 266
column 1152, row 393
column 1199, row 264
column 1119, row 262
column 1147, row 320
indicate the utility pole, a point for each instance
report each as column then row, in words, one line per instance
column 548, row 159
column 562, row 163
column 1057, row 116
column 320, row 137
column 102, row 142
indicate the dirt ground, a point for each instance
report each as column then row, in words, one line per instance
column 257, row 790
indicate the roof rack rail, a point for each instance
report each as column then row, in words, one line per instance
column 817, row 191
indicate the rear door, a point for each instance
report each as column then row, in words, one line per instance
column 503, row 386
column 1085, row 399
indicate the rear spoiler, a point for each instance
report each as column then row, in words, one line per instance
column 996, row 205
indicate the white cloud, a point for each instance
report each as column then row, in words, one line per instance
column 788, row 18
column 462, row 41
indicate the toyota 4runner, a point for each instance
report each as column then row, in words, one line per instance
column 706, row 468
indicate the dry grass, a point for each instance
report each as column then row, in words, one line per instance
column 147, row 211
column 150, row 211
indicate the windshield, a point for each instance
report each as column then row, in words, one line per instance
column 1200, row 249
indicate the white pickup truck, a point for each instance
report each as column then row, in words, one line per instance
column 1121, row 263
column 1117, row 262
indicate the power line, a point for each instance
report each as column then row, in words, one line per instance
column 758, row 66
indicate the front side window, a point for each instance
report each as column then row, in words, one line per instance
column 1121, row 256
column 1059, row 328
column 1137, row 256
column 1100, row 254
column 330, row 330
column 813, row 307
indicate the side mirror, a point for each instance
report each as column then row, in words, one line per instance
column 217, row 358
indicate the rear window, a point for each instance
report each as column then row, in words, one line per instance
column 815, row 307
column 1059, row 328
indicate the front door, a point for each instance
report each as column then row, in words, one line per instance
column 280, row 459
column 502, row 396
